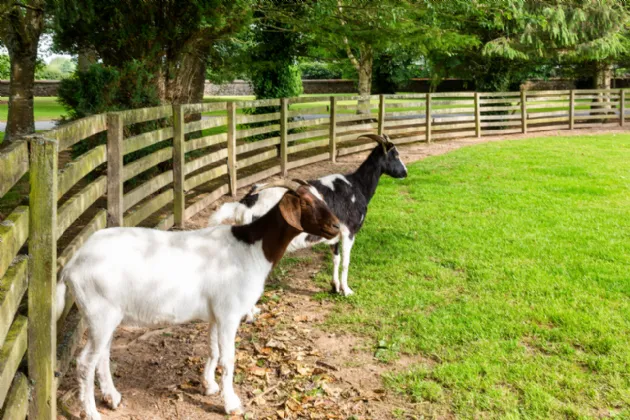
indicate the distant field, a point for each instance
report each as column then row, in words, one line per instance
column 46, row 109
column 503, row 272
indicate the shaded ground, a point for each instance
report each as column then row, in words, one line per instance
column 289, row 364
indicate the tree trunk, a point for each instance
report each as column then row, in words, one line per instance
column 86, row 58
column 21, row 120
column 603, row 76
column 365, row 80
column 20, row 30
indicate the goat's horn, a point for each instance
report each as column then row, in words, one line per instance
column 282, row 183
column 300, row 181
column 382, row 140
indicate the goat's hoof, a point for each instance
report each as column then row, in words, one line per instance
column 210, row 388
column 348, row 292
column 91, row 415
column 233, row 406
column 112, row 399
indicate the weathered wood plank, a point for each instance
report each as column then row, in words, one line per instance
column 409, row 139
column 441, row 120
column 179, row 171
column 406, row 105
column 456, row 126
column 477, row 116
column 622, row 111
column 572, row 110
column 453, row 94
column 354, row 135
column 14, row 162
column 16, row 403
column 205, row 107
column 73, row 132
column 533, row 116
column 309, row 123
column 309, row 145
column 243, row 119
column 503, row 117
column 310, row 111
column 79, row 203
column 204, row 124
column 454, row 135
column 260, row 144
column 332, row 130
column 499, row 108
column 97, row 223
column 407, row 121
column 138, row 194
column 468, row 102
column 503, row 124
column 358, row 117
column 309, row 160
column 11, row 354
column 204, row 177
column 134, row 116
column 495, row 94
column 12, row 288
column 42, row 328
column 596, row 117
column 115, row 152
column 257, row 177
column 257, row 103
column 512, row 101
column 427, row 131
column 356, row 127
column 147, row 162
column 241, row 134
column 408, row 96
column 308, row 134
column 404, row 114
column 205, row 160
column 80, row 167
column 143, row 140
column 547, row 92
column 498, row 132
column 205, row 141
column 207, row 200
column 270, row 154
column 166, row 223
column 306, row 99
column 147, row 209
column 415, row 129
column 13, row 234
column 523, row 112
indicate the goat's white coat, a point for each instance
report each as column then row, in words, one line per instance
column 329, row 180
column 148, row 277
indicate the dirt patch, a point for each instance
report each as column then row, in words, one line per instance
column 288, row 364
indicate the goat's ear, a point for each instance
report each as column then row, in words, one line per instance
column 291, row 210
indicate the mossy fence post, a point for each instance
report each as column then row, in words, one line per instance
column 427, row 114
column 622, row 107
column 179, row 197
column 115, row 207
column 284, row 121
column 231, row 146
column 381, row 114
column 477, row 116
column 523, row 111
column 42, row 323
column 332, row 133
column 571, row 109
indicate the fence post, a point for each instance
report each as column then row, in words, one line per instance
column 179, row 145
column 332, row 135
column 381, row 114
column 524, row 111
column 115, row 153
column 571, row 109
column 477, row 116
column 622, row 107
column 427, row 112
column 284, row 121
column 231, row 146
column 42, row 247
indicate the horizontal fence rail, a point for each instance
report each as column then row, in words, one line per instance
column 158, row 167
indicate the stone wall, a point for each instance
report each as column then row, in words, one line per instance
column 242, row 87
column 42, row 87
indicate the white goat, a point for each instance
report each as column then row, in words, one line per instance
column 149, row 277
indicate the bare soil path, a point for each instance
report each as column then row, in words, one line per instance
column 289, row 364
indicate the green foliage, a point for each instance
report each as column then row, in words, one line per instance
column 5, row 67
column 502, row 270
column 104, row 89
column 318, row 70
column 392, row 71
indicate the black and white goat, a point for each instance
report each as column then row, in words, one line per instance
column 347, row 196
column 150, row 277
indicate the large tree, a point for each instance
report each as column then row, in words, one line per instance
column 591, row 32
column 364, row 29
column 21, row 25
column 172, row 38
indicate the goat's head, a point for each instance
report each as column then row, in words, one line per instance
column 391, row 164
column 304, row 211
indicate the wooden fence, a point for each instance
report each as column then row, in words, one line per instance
column 158, row 167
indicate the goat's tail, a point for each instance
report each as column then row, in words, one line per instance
column 223, row 213
column 61, row 297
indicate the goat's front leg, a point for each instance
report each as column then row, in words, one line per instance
column 346, row 247
column 251, row 315
column 227, row 336
column 210, row 384
column 334, row 249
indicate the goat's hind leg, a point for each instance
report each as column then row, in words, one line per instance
column 209, row 382
column 346, row 247
column 227, row 335
column 334, row 249
column 111, row 396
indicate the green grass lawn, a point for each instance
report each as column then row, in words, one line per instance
column 45, row 109
column 503, row 270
